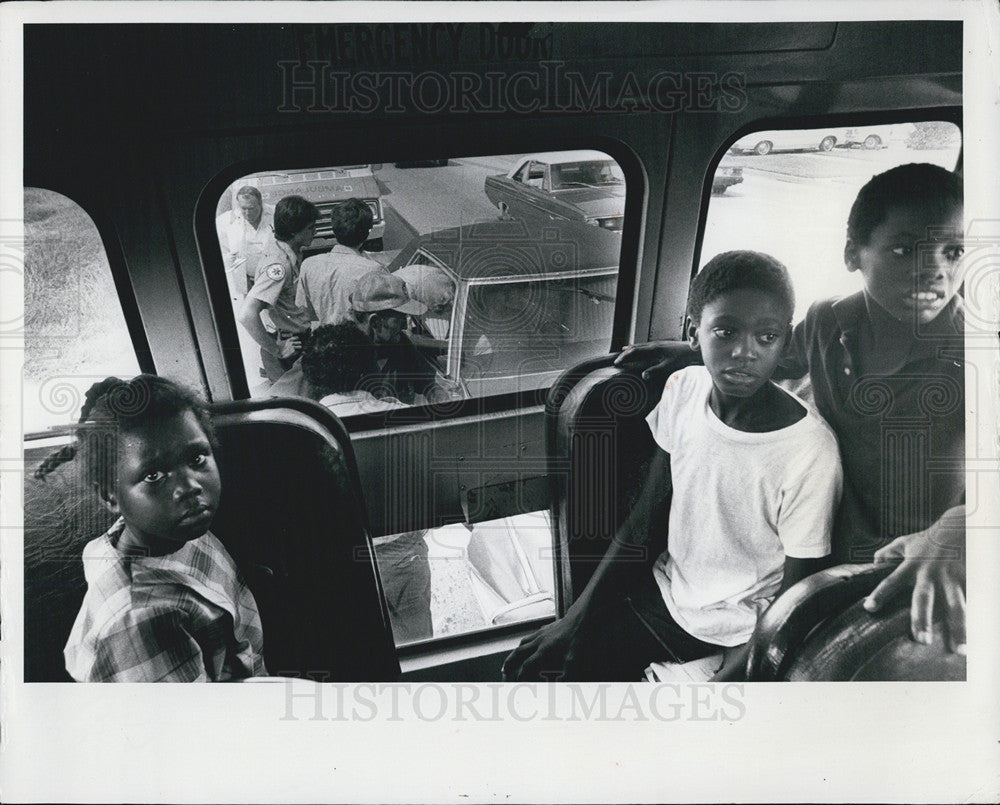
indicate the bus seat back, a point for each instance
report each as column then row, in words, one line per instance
column 598, row 449
column 61, row 514
column 292, row 515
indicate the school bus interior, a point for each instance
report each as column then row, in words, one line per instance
column 123, row 176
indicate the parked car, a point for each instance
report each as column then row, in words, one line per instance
column 324, row 187
column 531, row 298
column 868, row 137
column 422, row 163
column 726, row 175
column 763, row 142
column 572, row 185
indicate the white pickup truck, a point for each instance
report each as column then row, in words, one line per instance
column 324, row 187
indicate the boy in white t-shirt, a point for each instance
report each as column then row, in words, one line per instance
column 753, row 478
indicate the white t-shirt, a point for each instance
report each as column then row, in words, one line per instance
column 741, row 503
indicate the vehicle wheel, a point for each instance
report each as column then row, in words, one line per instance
column 504, row 212
column 827, row 143
column 374, row 245
column 872, row 141
column 442, row 163
column 763, row 148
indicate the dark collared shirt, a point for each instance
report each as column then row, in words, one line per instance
column 901, row 430
column 403, row 371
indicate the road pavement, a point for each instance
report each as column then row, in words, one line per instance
column 429, row 199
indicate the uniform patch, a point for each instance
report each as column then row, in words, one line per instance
column 275, row 272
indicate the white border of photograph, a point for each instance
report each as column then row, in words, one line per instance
column 277, row 742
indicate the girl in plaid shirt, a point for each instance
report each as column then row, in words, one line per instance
column 165, row 601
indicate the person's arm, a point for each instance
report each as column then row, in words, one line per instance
column 250, row 319
column 932, row 562
column 641, row 355
column 735, row 659
column 232, row 261
column 302, row 296
column 221, row 227
column 423, row 374
column 550, row 652
column 237, row 281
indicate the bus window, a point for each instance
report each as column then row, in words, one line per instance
column 788, row 193
column 74, row 328
column 475, row 219
column 519, row 283
column 460, row 578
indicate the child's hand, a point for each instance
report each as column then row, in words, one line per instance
column 642, row 355
column 547, row 655
column 734, row 665
column 933, row 563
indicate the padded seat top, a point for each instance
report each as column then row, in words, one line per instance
column 598, row 449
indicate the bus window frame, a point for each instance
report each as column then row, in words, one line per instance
column 206, row 239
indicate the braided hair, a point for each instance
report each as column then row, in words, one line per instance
column 114, row 406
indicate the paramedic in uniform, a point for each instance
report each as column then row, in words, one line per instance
column 274, row 288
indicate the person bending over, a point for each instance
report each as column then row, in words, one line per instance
column 381, row 304
column 336, row 362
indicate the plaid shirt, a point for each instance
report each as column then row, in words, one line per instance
column 184, row 617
